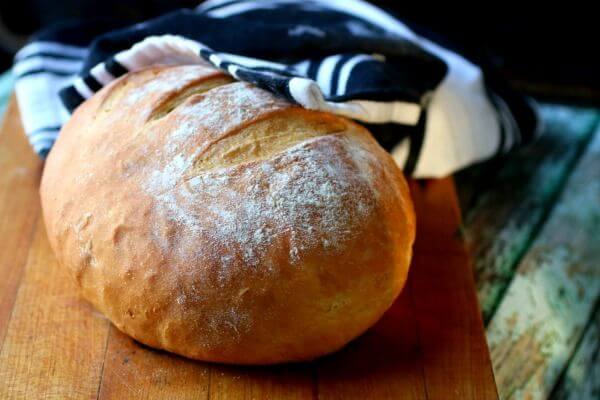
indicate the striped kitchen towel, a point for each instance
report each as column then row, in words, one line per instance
column 433, row 109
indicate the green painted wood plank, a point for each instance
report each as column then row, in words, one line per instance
column 541, row 318
column 581, row 380
column 509, row 198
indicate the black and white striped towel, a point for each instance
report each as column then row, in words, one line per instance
column 434, row 110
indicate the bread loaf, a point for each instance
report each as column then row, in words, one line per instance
column 211, row 219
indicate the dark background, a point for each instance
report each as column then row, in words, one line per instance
column 549, row 52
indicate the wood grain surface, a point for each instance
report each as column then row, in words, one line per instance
column 429, row 345
column 20, row 173
column 581, row 379
column 549, row 301
column 508, row 200
column 510, row 207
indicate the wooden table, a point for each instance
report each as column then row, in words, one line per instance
column 532, row 220
column 429, row 345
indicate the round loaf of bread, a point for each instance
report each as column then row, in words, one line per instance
column 214, row 220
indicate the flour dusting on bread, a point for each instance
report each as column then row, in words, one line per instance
column 314, row 195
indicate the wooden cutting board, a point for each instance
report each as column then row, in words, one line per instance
column 429, row 345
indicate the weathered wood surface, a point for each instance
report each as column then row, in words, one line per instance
column 430, row 344
column 581, row 380
column 507, row 200
column 552, row 296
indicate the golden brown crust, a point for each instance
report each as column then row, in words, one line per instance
column 228, row 225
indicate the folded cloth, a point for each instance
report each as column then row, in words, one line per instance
column 433, row 109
